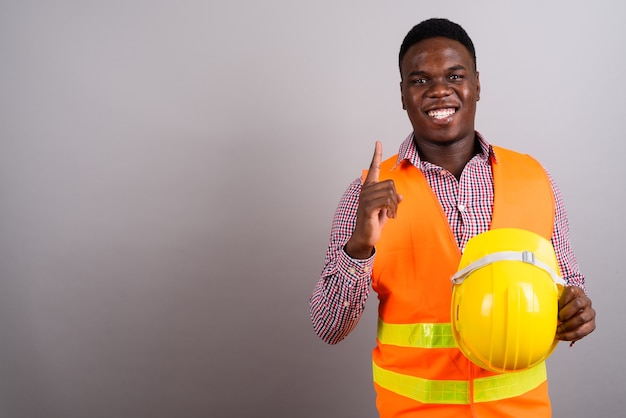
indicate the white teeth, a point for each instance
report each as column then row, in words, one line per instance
column 441, row 113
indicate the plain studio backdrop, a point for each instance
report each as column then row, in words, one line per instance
column 169, row 172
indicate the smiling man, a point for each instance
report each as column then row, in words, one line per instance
column 402, row 226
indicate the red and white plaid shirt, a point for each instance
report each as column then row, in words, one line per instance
column 339, row 297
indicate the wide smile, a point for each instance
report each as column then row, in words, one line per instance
column 442, row 113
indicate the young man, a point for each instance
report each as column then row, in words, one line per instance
column 401, row 228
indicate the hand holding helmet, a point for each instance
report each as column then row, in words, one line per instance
column 576, row 316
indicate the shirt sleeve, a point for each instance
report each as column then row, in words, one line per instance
column 561, row 242
column 339, row 297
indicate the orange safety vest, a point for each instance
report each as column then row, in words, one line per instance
column 418, row 369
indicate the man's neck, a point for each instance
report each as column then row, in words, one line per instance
column 453, row 157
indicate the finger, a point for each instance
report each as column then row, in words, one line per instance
column 576, row 315
column 570, row 293
column 583, row 317
column 577, row 334
column 379, row 196
column 578, row 327
column 398, row 201
column 395, row 199
column 572, row 301
column 374, row 171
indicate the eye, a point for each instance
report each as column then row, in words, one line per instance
column 419, row 81
column 456, row 77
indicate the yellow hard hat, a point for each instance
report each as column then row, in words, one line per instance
column 505, row 300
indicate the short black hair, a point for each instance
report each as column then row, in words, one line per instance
column 433, row 28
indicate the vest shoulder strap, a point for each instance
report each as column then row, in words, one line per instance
column 523, row 195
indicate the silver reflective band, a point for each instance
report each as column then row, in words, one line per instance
column 523, row 256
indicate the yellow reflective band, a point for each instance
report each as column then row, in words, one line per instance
column 509, row 385
column 422, row 390
column 416, row 335
column 486, row 389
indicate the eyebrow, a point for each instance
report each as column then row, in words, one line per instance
column 421, row 72
column 457, row 67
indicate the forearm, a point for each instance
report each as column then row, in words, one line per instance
column 562, row 245
column 339, row 297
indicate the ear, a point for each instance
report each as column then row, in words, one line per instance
column 477, row 87
column 402, row 97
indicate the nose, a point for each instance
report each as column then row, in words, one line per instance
column 439, row 88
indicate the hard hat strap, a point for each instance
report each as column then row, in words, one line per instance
column 523, row 256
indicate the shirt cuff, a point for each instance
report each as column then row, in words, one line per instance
column 355, row 269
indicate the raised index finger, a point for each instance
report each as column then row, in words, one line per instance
column 374, row 171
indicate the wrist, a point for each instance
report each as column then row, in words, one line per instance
column 359, row 252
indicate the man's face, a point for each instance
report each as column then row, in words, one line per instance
column 440, row 88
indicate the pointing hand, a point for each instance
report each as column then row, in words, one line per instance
column 378, row 202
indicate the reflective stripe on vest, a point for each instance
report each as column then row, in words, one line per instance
column 486, row 389
column 416, row 335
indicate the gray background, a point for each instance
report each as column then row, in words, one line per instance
column 169, row 172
